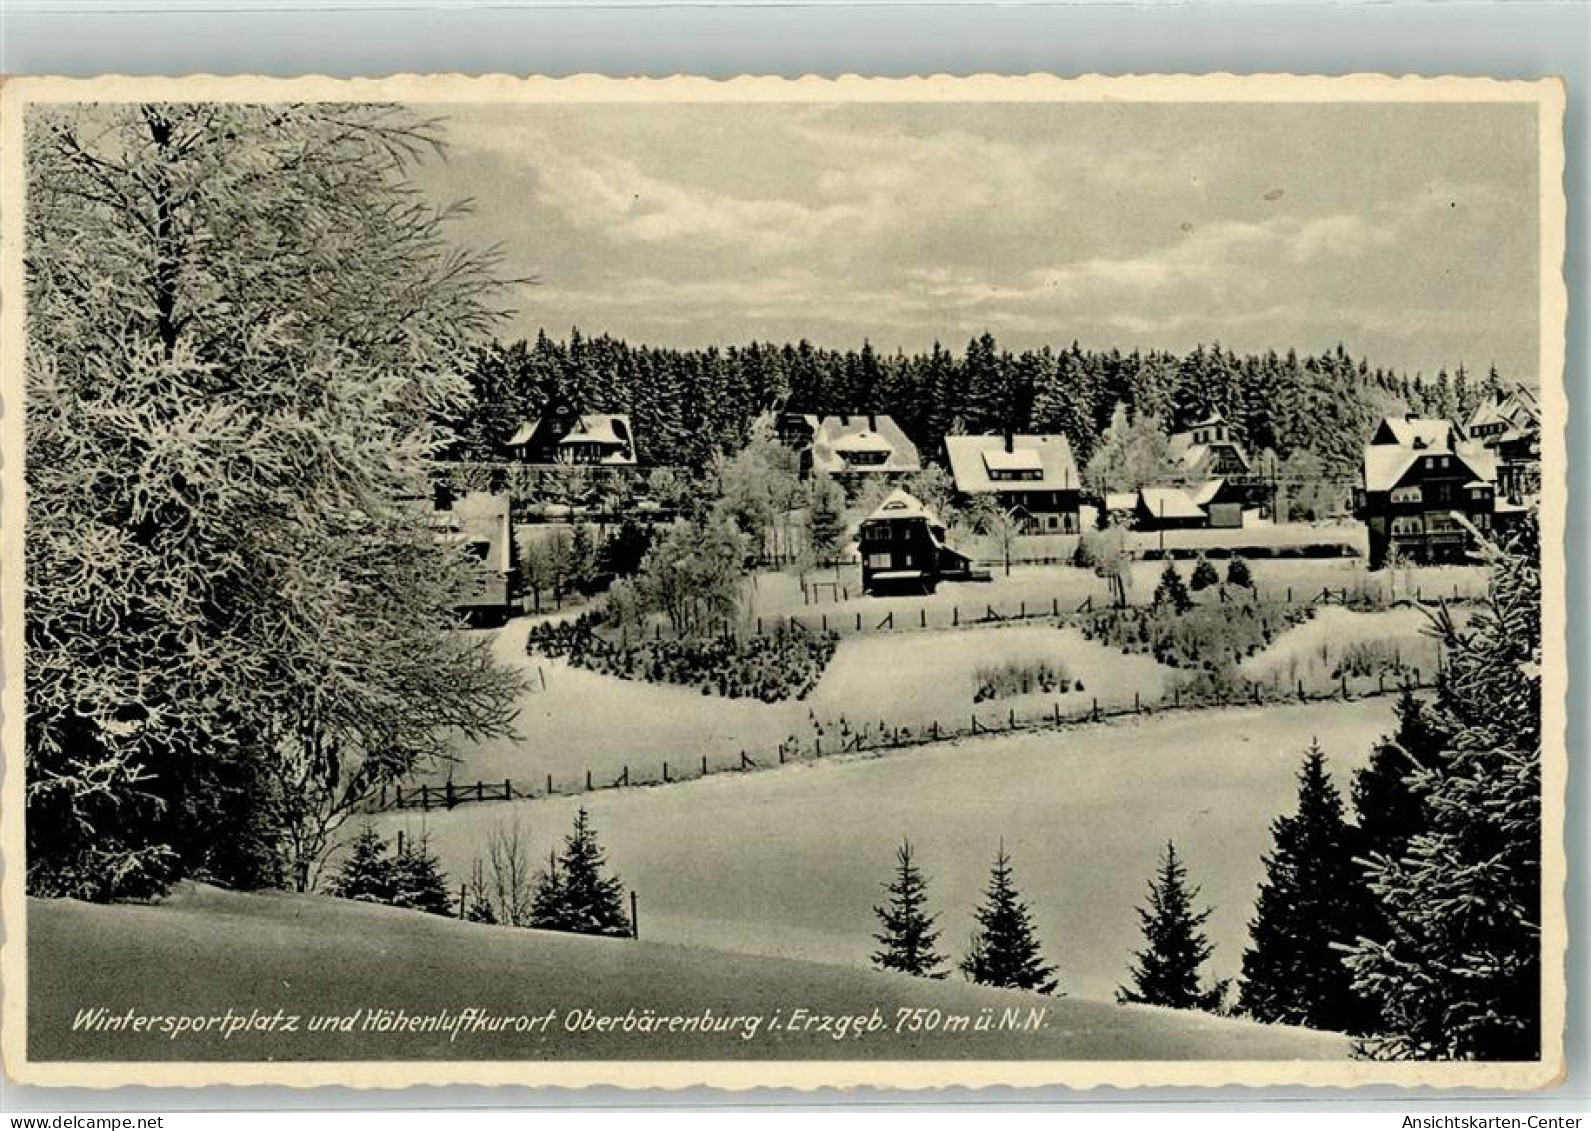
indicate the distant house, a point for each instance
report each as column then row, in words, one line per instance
column 1222, row 503
column 903, row 548
column 563, row 436
column 854, row 448
column 1168, row 508
column 1032, row 477
column 1509, row 425
column 1208, row 451
column 479, row 523
column 1422, row 481
column 795, row 429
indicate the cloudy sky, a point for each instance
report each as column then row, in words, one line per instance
column 1408, row 232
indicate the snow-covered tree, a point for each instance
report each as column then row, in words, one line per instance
column 1204, row 575
column 366, row 873
column 1169, row 969
column 1171, row 591
column 1312, row 903
column 1457, row 975
column 907, row 934
column 576, row 893
column 244, row 327
column 1005, row 948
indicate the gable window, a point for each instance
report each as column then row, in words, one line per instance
column 1409, row 494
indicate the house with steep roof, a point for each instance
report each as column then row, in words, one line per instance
column 1168, row 508
column 903, row 548
column 1208, row 450
column 1032, row 477
column 1509, row 425
column 480, row 525
column 855, row 448
column 563, row 436
column 1423, row 486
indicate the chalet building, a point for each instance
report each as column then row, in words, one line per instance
column 853, row 449
column 903, row 548
column 1423, row 481
column 1031, row 477
column 563, row 436
column 1509, row 426
column 480, row 524
column 1208, row 451
column 1168, row 508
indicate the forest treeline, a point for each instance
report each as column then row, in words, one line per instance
column 688, row 405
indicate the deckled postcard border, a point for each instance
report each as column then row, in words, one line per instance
column 1548, row 95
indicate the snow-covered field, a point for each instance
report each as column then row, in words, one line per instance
column 788, row 862
column 1310, row 651
column 582, row 720
column 203, row 952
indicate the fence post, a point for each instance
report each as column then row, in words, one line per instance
column 936, row 730
column 1343, row 682
column 1057, row 706
column 383, row 802
column 1096, row 708
column 447, row 793
column 665, row 773
column 425, row 799
column 922, row 616
column 1055, row 606
column 759, row 626
column 1381, row 680
column 825, row 619
column 1012, row 718
column 480, row 791
column 397, row 802
column 704, row 765
column 549, row 785
column 464, row 896
column 1135, row 704
column 1022, row 610
column 955, row 615
column 635, row 918
column 1289, row 594
column 858, row 622
column 1176, row 696
column 588, row 781
column 1300, row 687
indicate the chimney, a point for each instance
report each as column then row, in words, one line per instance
column 1010, row 442
column 872, row 422
column 845, row 420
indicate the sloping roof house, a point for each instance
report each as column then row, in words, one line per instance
column 868, row 444
column 1168, row 508
column 1208, row 449
column 481, row 524
column 1418, row 475
column 603, row 438
column 1033, row 473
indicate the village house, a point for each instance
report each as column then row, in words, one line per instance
column 853, row 449
column 564, row 436
column 1509, row 425
column 1422, row 482
column 1208, row 451
column 1033, row 478
column 903, row 548
column 480, row 524
column 1168, row 508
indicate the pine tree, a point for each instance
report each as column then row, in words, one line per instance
column 1390, row 810
column 1005, row 950
column 908, row 936
column 1204, row 575
column 1458, row 974
column 1314, row 901
column 367, row 872
column 1168, row 968
column 418, row 881
column 1171, row 591
column 574, row 894
column 1237, row 573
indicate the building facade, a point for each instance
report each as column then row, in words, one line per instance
column 1032, row 477
column 903, row 548
column 1425, row 489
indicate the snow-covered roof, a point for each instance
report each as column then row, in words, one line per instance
column 1169, row 502
column 975, row 460
column 1206, row 491
column 1414, row 432
column 480, row 517
column 1386, row 465
column 837, row 437
column 596, row 429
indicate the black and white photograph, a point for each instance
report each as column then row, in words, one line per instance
column 829, row 582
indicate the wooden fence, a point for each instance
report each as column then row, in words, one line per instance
column 881, row 737
column 891, row 617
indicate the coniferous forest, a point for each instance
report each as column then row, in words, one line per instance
column 687, row 405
